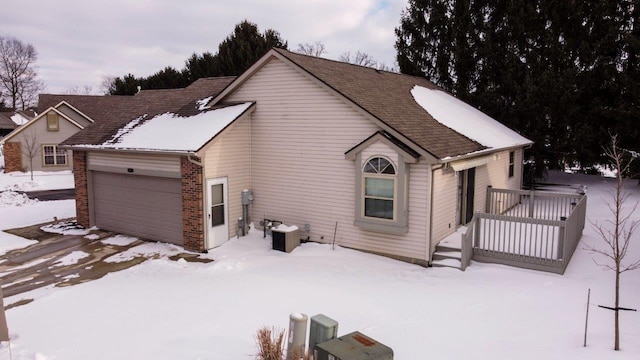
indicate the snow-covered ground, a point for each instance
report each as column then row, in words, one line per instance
column 42, row 180
column 164, row 309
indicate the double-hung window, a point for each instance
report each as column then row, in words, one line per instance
column 379, row 196
column 52, row 155
column 381, row 200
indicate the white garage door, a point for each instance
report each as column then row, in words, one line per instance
column 143, row 206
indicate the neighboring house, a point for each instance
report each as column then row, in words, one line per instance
column 6, row 124
column 34, row 145
column 373, row 160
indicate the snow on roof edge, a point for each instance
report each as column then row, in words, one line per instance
column 467, row 120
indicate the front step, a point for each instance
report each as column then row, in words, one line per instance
column 446, row 256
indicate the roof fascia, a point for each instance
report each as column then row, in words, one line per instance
column 63, row 102
column 377, row 136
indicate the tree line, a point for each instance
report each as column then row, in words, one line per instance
column 563, row 73
column 235, row 55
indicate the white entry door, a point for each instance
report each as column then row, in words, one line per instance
column 218, row 212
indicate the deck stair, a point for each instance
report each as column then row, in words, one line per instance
column 447, row 256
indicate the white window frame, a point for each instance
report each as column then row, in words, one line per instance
column 56, row 152
column 378, row 175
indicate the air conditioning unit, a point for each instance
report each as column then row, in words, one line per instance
column 354, row 346
column 285, row 238
column 322, row 328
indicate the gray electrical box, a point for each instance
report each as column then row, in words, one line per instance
column 354, row 346
column 322, row 328
column 247, row 197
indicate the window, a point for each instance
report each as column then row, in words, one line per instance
column 52, row 156
column 512, row 156
column 379, row 188
column 381, row 195
column 52, row 121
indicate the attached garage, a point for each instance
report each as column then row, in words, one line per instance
column 137, row 201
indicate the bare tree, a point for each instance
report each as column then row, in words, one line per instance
column 30, row 149
column 108, row 84
column 76, row 90
column 315, row 49
column 616, row 233
column 18, row 75
column 360, row 58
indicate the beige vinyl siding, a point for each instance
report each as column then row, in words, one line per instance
column 72, row 114
column 38, row 131
column 229, row 156
column 445, row 204
column 300, row 132
column 376, row 149
column 496, row 174
column 134, row 163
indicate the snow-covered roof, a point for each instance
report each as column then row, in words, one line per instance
column 171, row 132
column 467, row 120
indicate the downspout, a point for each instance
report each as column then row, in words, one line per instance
column 430, row 250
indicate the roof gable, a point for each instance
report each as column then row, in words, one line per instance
column 385, row 97
column 37, row 118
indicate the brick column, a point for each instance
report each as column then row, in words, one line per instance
column 82, row 193
column 192, row 211
column 12, row 156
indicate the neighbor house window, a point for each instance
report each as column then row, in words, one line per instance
column 379, row 188
column 52, row 121
column 52, row 155
column 512, row 163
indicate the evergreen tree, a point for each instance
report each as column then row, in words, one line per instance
column 246, row 45
column 127, row 85
column 563, row 73
column 235, row 55
column 167, row 78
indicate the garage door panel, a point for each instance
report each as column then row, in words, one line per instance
column 142, row 206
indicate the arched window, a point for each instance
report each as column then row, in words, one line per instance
column 379, row 176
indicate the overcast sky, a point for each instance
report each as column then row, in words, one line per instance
column 79, row 42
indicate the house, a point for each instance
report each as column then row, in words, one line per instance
column 6, row 124
column 373, row 160
column 34, row 145
column 11, row 120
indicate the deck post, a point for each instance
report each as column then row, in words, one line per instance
column 489, row 198
column 531, row 203
column 561, row 237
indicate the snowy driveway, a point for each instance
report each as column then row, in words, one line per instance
column 65, row 260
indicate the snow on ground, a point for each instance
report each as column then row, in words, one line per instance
column 163, row 309
column 17, row 210
column 42, row 180
column 71, row 259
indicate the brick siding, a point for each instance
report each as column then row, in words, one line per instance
column 192, row 211
column 12, row 156
column 82, row 195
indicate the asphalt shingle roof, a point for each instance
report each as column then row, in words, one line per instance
column 112, row 112
column 387, row 96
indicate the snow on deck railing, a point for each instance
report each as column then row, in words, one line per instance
column 529, row 229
